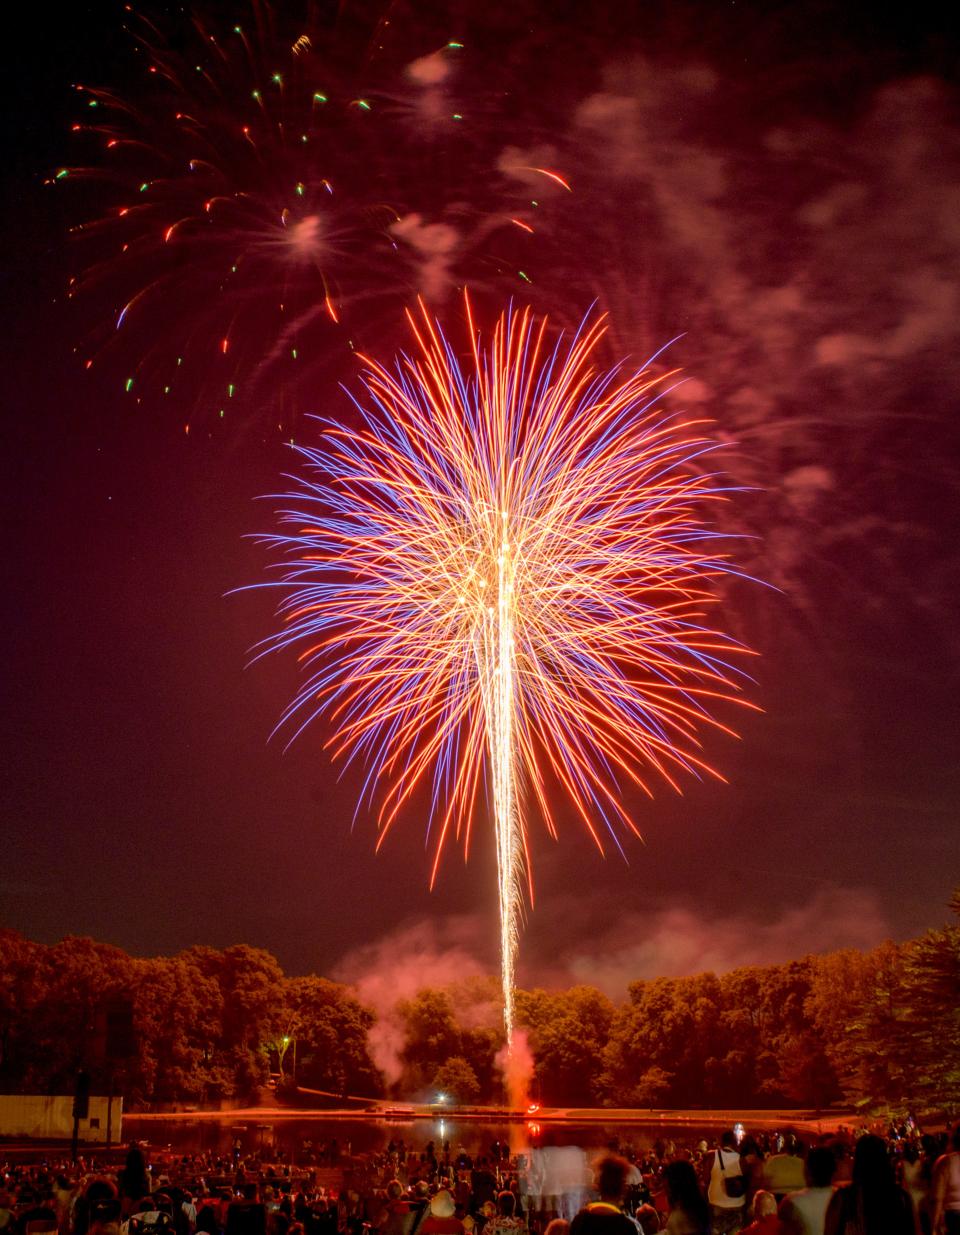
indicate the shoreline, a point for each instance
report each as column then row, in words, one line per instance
column 767, row 1119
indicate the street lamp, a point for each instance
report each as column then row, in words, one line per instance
column 293, row 1067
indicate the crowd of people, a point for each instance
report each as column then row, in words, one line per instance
column 903, row 1183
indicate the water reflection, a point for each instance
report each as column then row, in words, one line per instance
column 297, row 1138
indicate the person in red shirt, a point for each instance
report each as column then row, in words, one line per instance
column 441, row 1220
column 765, row 1220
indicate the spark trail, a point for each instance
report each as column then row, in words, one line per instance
column 496, row 585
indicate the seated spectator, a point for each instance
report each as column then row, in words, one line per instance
column 35, row 1216
column 207, row 1220
column 764, row 1214
column 441, row 1219
column 398, row 1214
column 506, row 1222
column 152, row 1216
column 97, row 1191
column 247, row 1216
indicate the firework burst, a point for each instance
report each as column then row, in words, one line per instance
column 270, row 190
column 497, row 585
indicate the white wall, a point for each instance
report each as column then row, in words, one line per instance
column 51, row 1118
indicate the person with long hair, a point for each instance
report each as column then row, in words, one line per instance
column 873, row 1203
column 689, row 1211
column 946, row 1188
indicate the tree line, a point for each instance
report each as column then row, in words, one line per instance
column 876, row 1029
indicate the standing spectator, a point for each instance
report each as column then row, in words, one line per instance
column 873, row 1204
column 689, row 1211
column 915, row 1177
column 63, row 1201
column 946, row 1189
column 483, row 1184
column 783, row 1172
column 134, row 1182
column 606, row 1216
column 751, row 1163
column 803, row 1212
column 726, row 1187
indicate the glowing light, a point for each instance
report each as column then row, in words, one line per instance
column 501, row 576
column 209, row 180
column 555, row 176
column 305, row 238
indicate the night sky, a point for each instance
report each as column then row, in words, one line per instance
column 778, row 183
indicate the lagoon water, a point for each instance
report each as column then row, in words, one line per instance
column 287, row 1138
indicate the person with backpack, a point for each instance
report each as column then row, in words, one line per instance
column 726, row 1187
